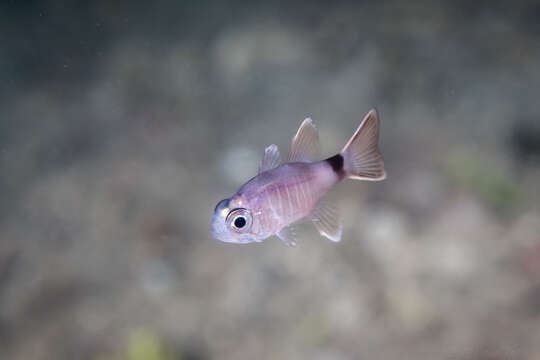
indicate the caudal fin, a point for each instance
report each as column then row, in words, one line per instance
column 361, row 157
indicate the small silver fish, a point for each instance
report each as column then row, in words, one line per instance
column 284, row 193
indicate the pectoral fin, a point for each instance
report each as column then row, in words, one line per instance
column 271, row 158
column 305, row 144
column 325, row 216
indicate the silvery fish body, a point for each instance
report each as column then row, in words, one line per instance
column 282, row 194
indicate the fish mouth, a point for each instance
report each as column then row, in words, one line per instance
column 219, row 230
column 218, row 227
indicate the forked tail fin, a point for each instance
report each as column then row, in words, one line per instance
column 361, row 157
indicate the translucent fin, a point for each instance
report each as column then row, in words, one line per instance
column 325, row 217
column 361, row 156
column 288, row 235
column 305, row 144
column 271, row 158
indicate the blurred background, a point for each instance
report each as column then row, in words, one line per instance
column 123, row 124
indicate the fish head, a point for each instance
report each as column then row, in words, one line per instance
column 232, row 224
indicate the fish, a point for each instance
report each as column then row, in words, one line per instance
column 283, row 193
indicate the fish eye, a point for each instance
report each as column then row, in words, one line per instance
column 239, row 220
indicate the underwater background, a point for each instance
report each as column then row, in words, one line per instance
column 122, row 124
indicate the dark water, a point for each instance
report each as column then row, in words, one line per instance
column 123, row 124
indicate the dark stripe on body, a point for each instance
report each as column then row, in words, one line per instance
column 336, row 162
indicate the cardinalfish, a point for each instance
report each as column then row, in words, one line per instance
column 283, row 193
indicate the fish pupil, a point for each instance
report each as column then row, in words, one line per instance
column 240, row 222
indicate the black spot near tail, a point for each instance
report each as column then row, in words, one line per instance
column 336, row 162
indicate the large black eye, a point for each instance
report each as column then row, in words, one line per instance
column 240, row 222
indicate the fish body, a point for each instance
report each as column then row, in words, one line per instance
column 282, row 194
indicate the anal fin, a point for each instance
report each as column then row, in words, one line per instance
column 325, row 216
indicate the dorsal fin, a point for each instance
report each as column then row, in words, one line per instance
column 271, row 158
column 305, row 144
